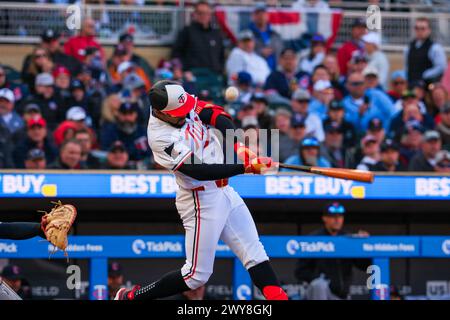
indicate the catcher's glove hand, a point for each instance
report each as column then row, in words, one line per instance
column 56, row 224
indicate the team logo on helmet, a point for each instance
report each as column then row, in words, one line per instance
column 182, row 98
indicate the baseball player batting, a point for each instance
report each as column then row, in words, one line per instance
column 209, row 208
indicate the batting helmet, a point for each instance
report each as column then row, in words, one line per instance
column 169, row 97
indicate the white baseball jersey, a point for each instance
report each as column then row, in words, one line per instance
column 172, row 146
column 210, row 214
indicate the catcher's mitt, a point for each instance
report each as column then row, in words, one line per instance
column 56, row 224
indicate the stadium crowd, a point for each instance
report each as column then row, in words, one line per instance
column 74, row 107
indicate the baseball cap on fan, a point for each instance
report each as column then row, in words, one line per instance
column 11, row 272
column 170, row 98
column 7, row 94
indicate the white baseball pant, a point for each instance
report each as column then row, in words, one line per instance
column 209, row 215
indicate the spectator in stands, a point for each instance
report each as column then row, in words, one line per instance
column 282, row 122
column 126, row 69
column 126, row 129
column 425, row 159
column 389, row 157
column 410, row 141
column 246, row 91
column 333, row 149
column 115, row 279
column 65, row 131
column 246, row 110
column 268, row 43
column 377, row 58
column 79, row 97
column 117, row 57
column 371, row 153
column 330, row 279
column 40, row 62
column 261, row 105
column 331, row 64
column 315, row 56
column 138, row 93
column 438, row 98
column 287, row 78
column 76, row 46
column 444, row 126
column 410, row 112
column 336, row 114
column 12, row 276
column 323, row 94
column 376, row 129
column 200, row 45
column 361, row 104
column 424, row 58
column 127, row 41
column 51, row 42
column 52, row 108
column 35, row 160
column 8, row 116
column 69, row 156
column 30, row 111
column 20, row 90
column 298, row 130
column 409, row 97
column 357, row 63
column 6, row 147
column 84, row 137
column 244, row 58
column 345, row 52
column 371, row 78
column 61, row 76
column 420, row 90
column 309, row 154
column 173, row 70
column 442, row 161
column 300, row 108
column 117, row 157
column 398, row 85
column 321, row 72
column 36, row 138
column 110, row 109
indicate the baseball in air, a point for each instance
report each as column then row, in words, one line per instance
column 231, row 94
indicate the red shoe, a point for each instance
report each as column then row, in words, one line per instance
column 124, row 294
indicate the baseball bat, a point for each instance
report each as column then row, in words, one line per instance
column 348, row 174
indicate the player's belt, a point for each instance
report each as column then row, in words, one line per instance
column 219, row 183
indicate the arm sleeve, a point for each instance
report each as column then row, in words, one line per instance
column 222, row 123
column 206, row 172
column 437, row 55
column 20, row 230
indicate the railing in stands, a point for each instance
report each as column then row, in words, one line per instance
column 158, row 25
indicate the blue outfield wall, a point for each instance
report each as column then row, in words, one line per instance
column 162, row 185
column 100, row 248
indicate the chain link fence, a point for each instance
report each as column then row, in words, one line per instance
column 158, row 25
column 151, row 25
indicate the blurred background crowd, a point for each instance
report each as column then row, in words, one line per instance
column 72, row 106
